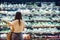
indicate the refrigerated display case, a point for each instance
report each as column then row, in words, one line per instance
column 40, row 22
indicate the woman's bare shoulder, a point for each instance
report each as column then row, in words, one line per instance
column 17, row 21
column 14, row 21
column 22, row 21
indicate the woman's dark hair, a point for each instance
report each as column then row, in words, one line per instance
column 18, row 16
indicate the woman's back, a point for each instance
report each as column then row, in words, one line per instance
column 18, row 28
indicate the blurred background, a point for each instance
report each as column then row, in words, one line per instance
column 41, row 17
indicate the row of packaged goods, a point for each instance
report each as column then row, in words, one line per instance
column 47, row 38
column 35, row 11
column 43, row 18
column 43, row 24
column 46, row 8
column 37, row 24
column 42, row 30
column 6, row 4
column 33, row 30
column 30, row 17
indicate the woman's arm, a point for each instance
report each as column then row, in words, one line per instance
column 7, row 22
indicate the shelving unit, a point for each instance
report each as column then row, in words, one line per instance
column 34, row 18
column 40, row 22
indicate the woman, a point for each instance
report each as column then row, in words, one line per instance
column 17, row 26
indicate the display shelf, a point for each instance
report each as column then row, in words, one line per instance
column 42, row 14
column 46, row 33
column 42, row 20
column 42, row 17
column 32, row 27
column 28, row 20
column 3, row 25
column 42, row 32
column 7, row 12
column 44, row 26
column 6, row 31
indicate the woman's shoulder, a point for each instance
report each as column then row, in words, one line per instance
column 14, row 21
column 18, row 20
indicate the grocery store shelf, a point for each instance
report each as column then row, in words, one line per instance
column 38, row 20
column 47, row 33
column 7, row 12
column 44, row 26
column 28, row 20
column 31, row 27
column 7, row 31
column 42, row 14
column 41, row 20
